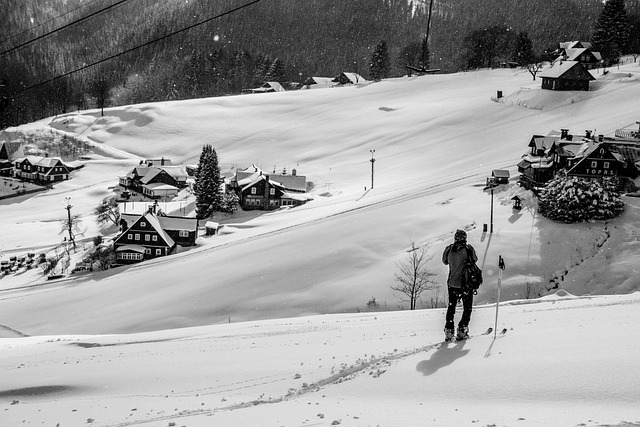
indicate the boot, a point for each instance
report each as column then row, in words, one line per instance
column 448, row 334
column 463, row 333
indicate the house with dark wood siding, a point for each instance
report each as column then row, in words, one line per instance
column 267, row 191
column 40, row 169
column 585, row 156
column 155, row 182
column 566, row 75
column 144, row 239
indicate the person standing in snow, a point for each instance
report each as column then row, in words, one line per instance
column 456, row 255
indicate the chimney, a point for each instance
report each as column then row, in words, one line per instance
column 162, row 161
column 564, row 133
column 294, row 172
column 600, row 138
column 588, row 134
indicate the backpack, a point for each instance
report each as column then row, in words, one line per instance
column 472, row 275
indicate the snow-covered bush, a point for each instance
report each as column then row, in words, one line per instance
column 571, row 199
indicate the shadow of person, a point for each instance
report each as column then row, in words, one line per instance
column 445, row 355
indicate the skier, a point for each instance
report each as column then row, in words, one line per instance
column 456, row 255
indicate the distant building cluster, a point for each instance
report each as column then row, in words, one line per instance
column 585, row 156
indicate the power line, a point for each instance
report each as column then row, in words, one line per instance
column 46, row 22
column 91, row 15
column 140, row 46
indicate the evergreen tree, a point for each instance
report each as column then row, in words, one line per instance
column 576, row 200
column 379, row 65
column 207, row 184
column 276, row 72
column 523, row 52
column 611, row 36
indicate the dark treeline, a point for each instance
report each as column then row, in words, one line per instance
column 273, row 40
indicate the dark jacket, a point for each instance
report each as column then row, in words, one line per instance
column 456, row 255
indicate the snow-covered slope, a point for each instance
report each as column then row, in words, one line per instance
column 564, row 361
column 436, row 139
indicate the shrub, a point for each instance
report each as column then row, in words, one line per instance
column 571, row 199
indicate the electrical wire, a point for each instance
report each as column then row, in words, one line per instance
column 91, row 15
column 46, row 22
column 229, row 12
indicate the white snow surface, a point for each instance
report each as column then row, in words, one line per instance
column 266, row 323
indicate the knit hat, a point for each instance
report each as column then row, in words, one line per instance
column 460, row 236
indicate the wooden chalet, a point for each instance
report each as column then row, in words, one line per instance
column 144, row 239
column 581, row 52
column 259, row 190
column 152, row 235
column 40, row 169
column 584, row 156
column 8, row 152
column 566, row 75
column 155, row 182
column 349, row 79
column 269, row 87
column 595, row 160
column 317, row 83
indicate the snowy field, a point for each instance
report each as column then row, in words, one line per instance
column 266, row 323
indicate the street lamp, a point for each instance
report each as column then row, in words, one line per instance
column 372, row 162
column 491, row 184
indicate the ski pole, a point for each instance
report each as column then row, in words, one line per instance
column 500, row 268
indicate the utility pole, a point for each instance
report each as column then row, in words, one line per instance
column 372, row 162
column 69, row 221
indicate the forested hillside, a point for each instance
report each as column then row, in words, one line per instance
column 280, row 40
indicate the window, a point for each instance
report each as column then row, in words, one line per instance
column 130, row 256
column 158, row 251
column 137, row 236
column 594, row 164
column 606, row 165
column 253, row 190
column 130, row 236
column 183, row 233
column 154, row 238
column 143, row 224
column 147, row 251
column 272, row 191
column 147, row 237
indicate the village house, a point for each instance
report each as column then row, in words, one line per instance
column 349, row 79
column 584, row 156
column 267, row 191
column 8, row 152
column 566, row 75
column 162, row 182
column 40, row 169
column 269, row 87
column 152, row 235
column 581, row 52
column 317, row 83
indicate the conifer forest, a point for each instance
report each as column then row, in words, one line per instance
column 58, row 56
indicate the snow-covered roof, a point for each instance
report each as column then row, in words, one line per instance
column 318, row 82
column 558, row 69
column 134, row 248
column 47, row 162
column 160, row 186
column 178, row 223
column 269, row 87
column 353, row 78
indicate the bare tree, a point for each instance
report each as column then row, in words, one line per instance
column 534, row 68
column 107, row 211
column 413, row 277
